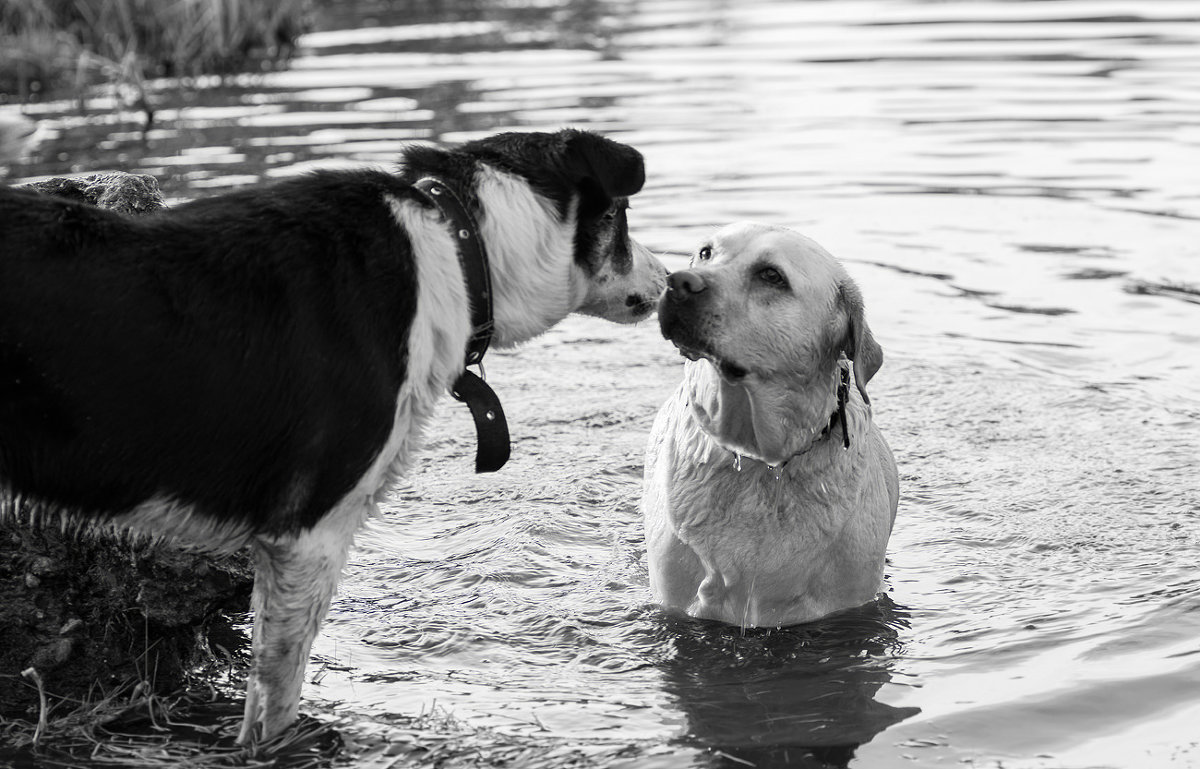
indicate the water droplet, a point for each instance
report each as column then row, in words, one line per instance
column 490, row 416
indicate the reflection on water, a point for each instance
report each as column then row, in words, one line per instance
column 798, row 696
column 1012, row 185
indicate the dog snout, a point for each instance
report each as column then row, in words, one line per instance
column 683, row 284
column 641, row 301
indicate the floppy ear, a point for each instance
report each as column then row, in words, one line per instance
column 602, row 169
column 859, row 345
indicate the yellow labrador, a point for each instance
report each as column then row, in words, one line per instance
column 770, row 495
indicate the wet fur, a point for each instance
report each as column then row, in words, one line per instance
column 256, row 368
column 756, row 514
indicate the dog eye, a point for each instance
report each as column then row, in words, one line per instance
column 772, row 276
column 616, row 209
column 705, row 253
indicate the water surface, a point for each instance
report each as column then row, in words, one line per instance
column 1013, row 186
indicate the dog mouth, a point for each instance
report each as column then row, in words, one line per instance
column 729, row 371
column 641, row 307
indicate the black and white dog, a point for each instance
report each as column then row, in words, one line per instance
column 255, row 368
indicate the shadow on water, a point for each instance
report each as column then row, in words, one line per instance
column 801, row 696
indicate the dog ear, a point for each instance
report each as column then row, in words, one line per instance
column 601, row 169
column 859, row 344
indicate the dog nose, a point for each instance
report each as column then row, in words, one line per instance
column 685, row 283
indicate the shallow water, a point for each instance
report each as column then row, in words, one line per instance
column 1013, row 186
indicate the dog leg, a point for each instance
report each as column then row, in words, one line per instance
column 294, row 582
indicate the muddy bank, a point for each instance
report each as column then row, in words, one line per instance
column 91, row 613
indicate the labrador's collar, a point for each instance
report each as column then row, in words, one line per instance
column 491, row 428
column 843, row 394
column 837, row 419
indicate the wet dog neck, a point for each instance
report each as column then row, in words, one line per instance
column 764, row 420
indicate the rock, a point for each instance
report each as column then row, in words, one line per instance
column 92, row 609
column 114, row 190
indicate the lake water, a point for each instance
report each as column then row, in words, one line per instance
column 1014, row 186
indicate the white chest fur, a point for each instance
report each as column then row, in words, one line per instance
column 736, row 540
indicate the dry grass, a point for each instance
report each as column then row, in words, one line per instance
column 132, row 724
column 134, row 727
column 195, row 729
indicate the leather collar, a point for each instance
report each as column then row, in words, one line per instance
column 491, row 428
column 836, row 419
column 843, row 394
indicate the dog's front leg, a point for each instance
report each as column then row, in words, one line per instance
column 294, row 581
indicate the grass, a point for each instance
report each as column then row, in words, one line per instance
column 52, row 45
column 135, row 728
column 132, row 726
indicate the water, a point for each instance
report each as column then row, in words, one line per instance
column 1013, row 186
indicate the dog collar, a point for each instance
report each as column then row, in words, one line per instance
column 843, row 394
column 836, row 419
column 491, row 428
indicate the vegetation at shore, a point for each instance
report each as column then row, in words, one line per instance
column 133, row 728
column 56, row 45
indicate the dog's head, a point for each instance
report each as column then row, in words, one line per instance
column 553, row 210
column 588, row 178
column 771, row 311
column 767, row 302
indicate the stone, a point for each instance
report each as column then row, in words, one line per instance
column 114, row 190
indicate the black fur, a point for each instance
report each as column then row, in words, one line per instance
column 240, row 353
